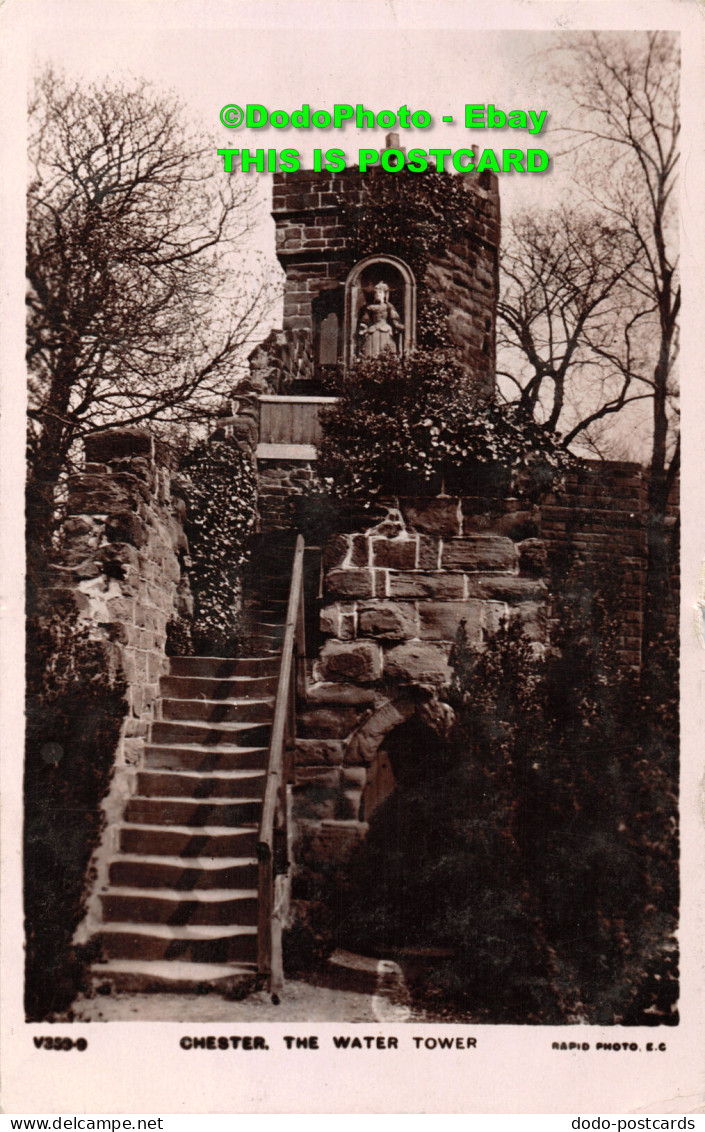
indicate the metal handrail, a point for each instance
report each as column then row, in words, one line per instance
column 272, row 835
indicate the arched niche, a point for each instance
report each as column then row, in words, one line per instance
column 359, row 293
column 404, row 758
column 397, row 739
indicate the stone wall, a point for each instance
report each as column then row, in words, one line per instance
column 123, row 563
column 394, row 597
column 279, row 482
column 598, row 518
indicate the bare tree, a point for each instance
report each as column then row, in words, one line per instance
column 626, row 94
column 139, row 302
column 590, row 307
column 568, row 335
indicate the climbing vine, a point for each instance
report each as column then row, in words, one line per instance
column 411, row 215
column 221, row 495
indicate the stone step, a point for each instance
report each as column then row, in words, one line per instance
column 209, row 688
column 134, row 871
column 267, row 645
column 222, row 668
column 218, row 711
column 274, row 609
column 195, row 944
column 167, row 732
column 186, row 842
column 179, row 811
column 168, row 906
column 139, row 976
column 198, row 757
column 204, row 784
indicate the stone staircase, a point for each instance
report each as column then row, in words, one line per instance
column 180, row 909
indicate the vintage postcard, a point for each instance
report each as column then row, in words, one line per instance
column 354, row 567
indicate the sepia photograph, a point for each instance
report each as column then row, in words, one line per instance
column 352, row 585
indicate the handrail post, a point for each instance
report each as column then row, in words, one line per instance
column 272, row 836
column 301, row 646
column 265, row 885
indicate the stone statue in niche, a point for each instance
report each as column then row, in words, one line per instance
column 380, row 328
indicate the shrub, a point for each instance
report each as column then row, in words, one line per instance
column 589, row 759
column 412, row 424
column 75, row 707
column 539, row 848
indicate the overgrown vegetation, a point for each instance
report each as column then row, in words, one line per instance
column 221, row 491
column 539, row 850
column 75, row 706
column 412, row 215
column 409, row 424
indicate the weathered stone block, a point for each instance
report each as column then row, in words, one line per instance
column 433, row 516
column 388, row 619
column 135, row 700
column 532, row 557
column 399, row 554
column 349, row 805
column 126, row 527
column 477, row 521
column 336, row 693
column 353, row 778
column 359, row 661
column 428, row 553
column 418, row 663
column 319, row 752
column 347, row 627
column 117, row 443
column 437, row 585
column 338, row 620
column 534, row 619
column 78, row 526
column 327, row 723
column 439, row 620
column 508, row 587
column 329, row 620
column 136, row 728
column 314, row 801
column 493, row 613
column 350, row 583
column 360, row 551
column 390, row 527
column 352, row 784
column 518, row 525
column 121, row 609
column 480, row 552
column 326, row 776
column 336, row 551
column 132, row 751
column 328, row 842
column 157, row 666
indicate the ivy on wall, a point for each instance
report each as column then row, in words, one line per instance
column 221, row 494
column 413, row 216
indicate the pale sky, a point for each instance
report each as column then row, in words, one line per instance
column 431, row 56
